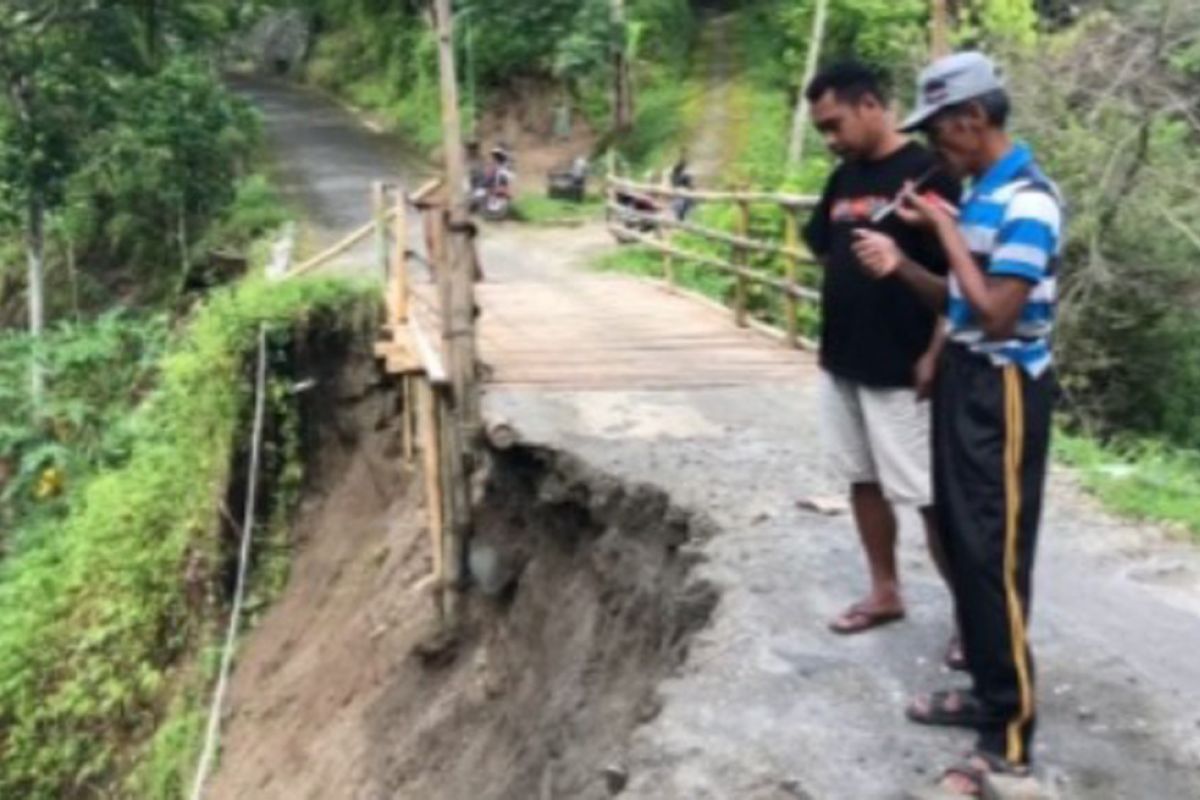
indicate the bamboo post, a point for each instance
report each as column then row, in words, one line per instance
column 379, row 216
column 408, row 416
column 399, row 282
column 665, row 232
column 791, row 265
column 461, row 433
column 434, row 498
column 740, row 260
column 457, row 530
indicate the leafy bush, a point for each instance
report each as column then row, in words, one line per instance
column 256, row 210
column 94, row 618
column 95, row 372
column 164, row 170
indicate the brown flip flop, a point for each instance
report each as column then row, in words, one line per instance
column 858, row 619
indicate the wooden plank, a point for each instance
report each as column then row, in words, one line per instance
column 430, row 360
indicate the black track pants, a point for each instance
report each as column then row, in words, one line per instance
column 991, row 433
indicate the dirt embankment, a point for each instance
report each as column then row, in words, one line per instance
column 586, row 602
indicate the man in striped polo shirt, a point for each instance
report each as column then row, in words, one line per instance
column 993, row 399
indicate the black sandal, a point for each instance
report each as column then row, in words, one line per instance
column 955, row 658
column 954, row 708
column 977, row 768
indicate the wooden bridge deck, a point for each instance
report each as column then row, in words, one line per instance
column 549, row 321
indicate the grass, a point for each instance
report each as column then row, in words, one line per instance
column 399, row 82
column 1145, row 480
column 99, row 621
column 538, row 209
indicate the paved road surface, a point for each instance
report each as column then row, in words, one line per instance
column 770, row 705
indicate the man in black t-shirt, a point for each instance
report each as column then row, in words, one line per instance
column 879, row 343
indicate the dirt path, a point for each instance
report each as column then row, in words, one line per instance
column 709, row 148
column 769, row 705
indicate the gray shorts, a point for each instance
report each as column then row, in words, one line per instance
column 876, row 436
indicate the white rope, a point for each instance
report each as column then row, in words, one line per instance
column 214, row 714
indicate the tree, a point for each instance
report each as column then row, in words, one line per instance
column 45, row 81
column 1111, row 108
column 800, row 118
column 622, row 86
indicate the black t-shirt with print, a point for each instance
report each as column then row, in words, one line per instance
column 874, row 331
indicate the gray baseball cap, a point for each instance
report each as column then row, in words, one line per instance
column 952, row 80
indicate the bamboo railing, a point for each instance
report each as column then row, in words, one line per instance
column 740, row 243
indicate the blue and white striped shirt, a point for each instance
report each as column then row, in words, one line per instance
column 1012, row 219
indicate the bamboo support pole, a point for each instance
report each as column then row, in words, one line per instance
column 431, row 453
column 791, row 266
column 457, row 497
column 408, row 416
column 740, row 258
column 379, row 214
column 399, row 273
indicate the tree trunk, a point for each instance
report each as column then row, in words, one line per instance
column 800, row 118
column 152, row 26
column 35, row 247
column 622, row 85
column 939, row 29
column 73, row 277
column 181, row 238
column 457, row 283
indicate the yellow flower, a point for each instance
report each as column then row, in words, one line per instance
column 50, row 483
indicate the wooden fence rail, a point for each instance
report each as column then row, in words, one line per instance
column 741, row 244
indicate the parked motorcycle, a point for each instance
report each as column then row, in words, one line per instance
column 636, row 212
column 492, row 188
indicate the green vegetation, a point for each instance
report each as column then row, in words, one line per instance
column 540, row 210
column 1124, row 151
column 382, row 58
column 96, row 372
column 1144, row 479
column 99, row 621
column 120, row 151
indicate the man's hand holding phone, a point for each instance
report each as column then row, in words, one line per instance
column 878, row 253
